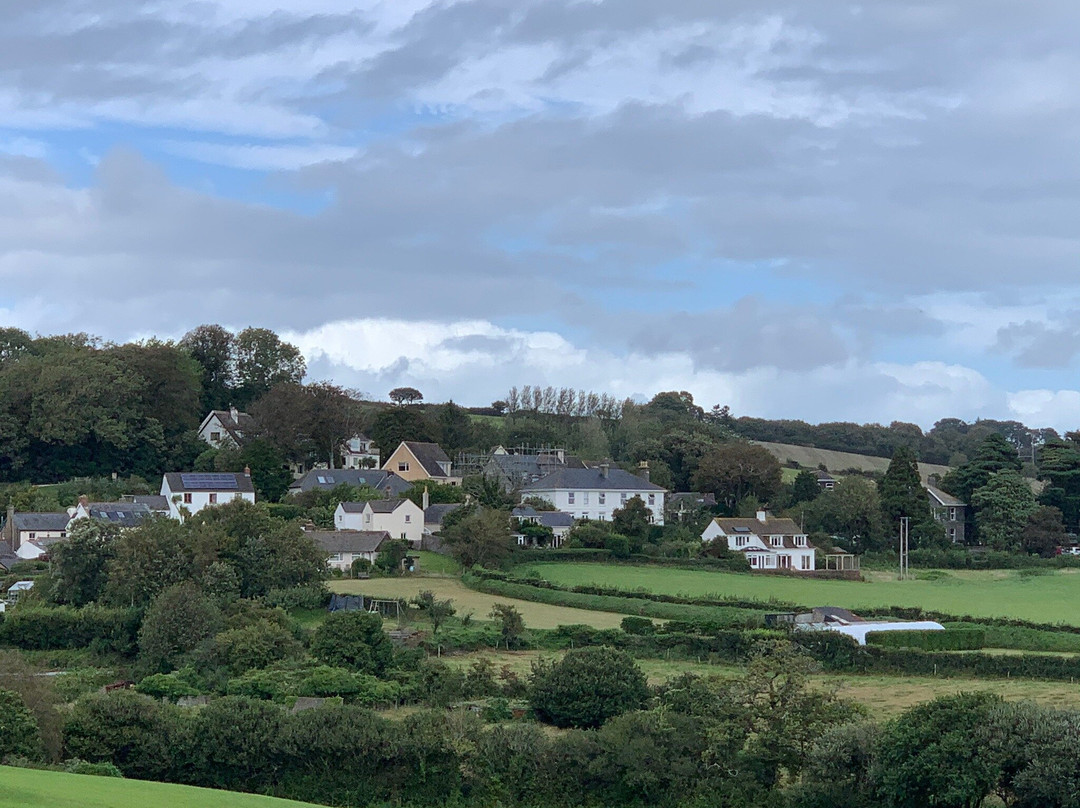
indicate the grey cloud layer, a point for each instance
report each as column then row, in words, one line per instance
column 554, row 163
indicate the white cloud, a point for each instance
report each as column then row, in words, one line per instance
column 1057, row 408
column 477, row 361
column 261, row 157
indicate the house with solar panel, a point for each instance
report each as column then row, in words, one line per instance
column 769, row 543
column 189, row 492
column 121, row 514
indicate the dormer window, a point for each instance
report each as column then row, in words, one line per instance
column 800, row 541
column 776, row 541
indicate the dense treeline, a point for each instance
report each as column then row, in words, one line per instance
column 950, row 442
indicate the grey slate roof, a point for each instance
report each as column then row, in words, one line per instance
column 385, row 505
column 349, row 541
column 125, row 514
column 556, row 519
column 435, row 514
column 154, row 502
column 244, row 423
column 41, row 521
column 546, row 518
column 947, row 500
column 328, row 479
column 429, row 455
column 7, row 557
column 243, row 483
column 592, row 480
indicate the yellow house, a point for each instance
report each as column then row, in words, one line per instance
column 413, row 460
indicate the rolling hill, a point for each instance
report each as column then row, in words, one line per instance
column 811, row 458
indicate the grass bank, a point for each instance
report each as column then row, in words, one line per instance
column 31, row 788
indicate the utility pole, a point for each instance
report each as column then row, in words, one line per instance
column 905, row 529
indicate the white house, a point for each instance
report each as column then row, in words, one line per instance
column 124, row 514
column 559, row 522
column 769, row 543
column 401, row 518
column 360, row 452
column 226, row 428
column 343, row 547
column 596, row 493
column 189, row 492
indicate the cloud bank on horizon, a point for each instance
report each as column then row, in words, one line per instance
column 826, row 211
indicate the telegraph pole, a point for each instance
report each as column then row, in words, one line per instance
column 905, row 529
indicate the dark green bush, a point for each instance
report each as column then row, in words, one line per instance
column 956, row 639
column 52, row 628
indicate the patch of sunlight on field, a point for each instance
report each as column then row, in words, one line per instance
column 1045, row 598
column 537, row 615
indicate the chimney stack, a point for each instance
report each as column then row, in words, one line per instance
column 84, row 501
column 643, row 470
column 427, row 499
column 9, row 528
column 604, row 469
column 762, row 516
column 247, row 471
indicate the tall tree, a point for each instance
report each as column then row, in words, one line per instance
column 1044, row 532
column 851, row 512
column 406, row 395
column 1002, row 508
column 902, row 495
column 393, row 425
column 263, row 360
column 734, row 471
column 212, row 347
column 994, row 454
column 1059, row 465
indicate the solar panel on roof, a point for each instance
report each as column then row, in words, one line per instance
column 742, row 530
column 209, row 481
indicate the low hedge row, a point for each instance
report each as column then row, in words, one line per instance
column 954, row 639
column 63, row 627
column 638, row 594
column 623, row 604
column 733, row 563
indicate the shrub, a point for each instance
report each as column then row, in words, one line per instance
column 169, row 686
column 18, row 729
column 955, row 639
column 64, row 627
column 76, row 766
column 254, row 646
column 586, row 687
column 308, row 596
column 637, row 625
column 353, row 640
column 178, row 620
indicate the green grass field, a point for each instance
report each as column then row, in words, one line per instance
column 30, row 788
column 437, row 564
column 1050, row 598
column 537, row 615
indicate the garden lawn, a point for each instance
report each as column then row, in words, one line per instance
column 30, row 788
column 537, row 615
column 1053, row 597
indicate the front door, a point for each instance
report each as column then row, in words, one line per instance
column 784, row 562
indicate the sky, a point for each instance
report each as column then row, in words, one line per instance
column 815, row 209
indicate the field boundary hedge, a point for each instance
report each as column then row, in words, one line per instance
column 899, row 612
column 63, row 627
column 618, row 604
column 953, row 639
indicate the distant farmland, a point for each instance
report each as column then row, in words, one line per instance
column 810, row 458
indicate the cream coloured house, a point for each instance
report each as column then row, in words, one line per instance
column 401, row 518
column 413, row 460
column 343, row 547
column 769, row 543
